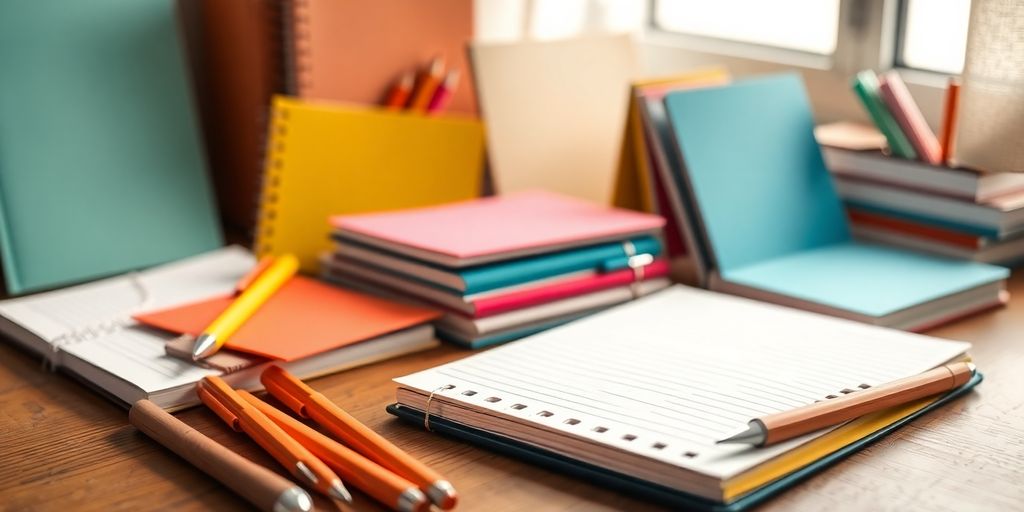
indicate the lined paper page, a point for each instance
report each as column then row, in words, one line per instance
column 93, row 321
column 667, row 375
column 87, row 308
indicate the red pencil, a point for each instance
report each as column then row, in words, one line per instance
column 400, row 92
column 443, row 95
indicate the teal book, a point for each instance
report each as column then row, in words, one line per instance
column 774, row 226
column 865, row 85
column 101, row 166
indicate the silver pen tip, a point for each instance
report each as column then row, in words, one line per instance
column 205, row 346
column 339, row 492
column 304, row 471
column 754, row 434
column 411, row 500
column 442, row 494
column 294, row 499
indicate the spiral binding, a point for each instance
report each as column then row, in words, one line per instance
column 272, row 180
column 300, row 63
column 426, row 413
column 569, row 422
column 95, row 330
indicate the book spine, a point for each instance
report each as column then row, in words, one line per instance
column 865, row 84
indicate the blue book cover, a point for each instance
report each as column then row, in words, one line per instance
column 771, row 216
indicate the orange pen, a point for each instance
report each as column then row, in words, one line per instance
column 949, row 118
column 400, row 92
column 383, row 485
column 426, row 86
column 243, row 417
column 309, row 403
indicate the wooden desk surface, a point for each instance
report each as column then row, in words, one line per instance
column 63, row 447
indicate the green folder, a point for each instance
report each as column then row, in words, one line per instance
column 865, row 84
column 101, row 166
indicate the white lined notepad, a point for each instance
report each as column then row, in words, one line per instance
column 88, row 330
column 646, row 388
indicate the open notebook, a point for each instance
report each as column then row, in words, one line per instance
column 88, row 330
column 642, row 391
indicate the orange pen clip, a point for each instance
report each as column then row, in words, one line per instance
column 241, row 416
column 309, row 403
column 378, row 482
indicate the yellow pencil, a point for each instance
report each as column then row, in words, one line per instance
column 250, row 300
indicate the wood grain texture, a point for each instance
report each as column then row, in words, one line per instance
column 64, row 447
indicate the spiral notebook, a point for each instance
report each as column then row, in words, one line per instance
column 88, row 331
column 330, row 158
column 641, row 392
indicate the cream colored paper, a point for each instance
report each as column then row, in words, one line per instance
column 648, row 387
column 554, row 112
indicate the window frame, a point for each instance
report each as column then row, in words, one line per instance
column 869, row 36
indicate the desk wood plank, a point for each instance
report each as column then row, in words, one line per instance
column 65, row 447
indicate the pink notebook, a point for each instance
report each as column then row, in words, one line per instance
column 495, row 228
column 901, row 104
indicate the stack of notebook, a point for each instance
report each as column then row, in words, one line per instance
column 634, row 398
column 773, row 228
column 910, row 196
column 502, row 267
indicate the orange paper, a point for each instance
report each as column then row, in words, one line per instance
column 305, row 317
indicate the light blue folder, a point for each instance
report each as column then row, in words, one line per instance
column 101, row 165
column 769, row 213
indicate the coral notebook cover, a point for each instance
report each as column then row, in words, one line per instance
column 488, row 229
column 305, row 317
column 354, row 50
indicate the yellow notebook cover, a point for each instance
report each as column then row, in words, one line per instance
column 633, row 187
column 326, row 159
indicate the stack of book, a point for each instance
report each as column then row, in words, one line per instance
column 502, row 267
column 773, row 227
column 913, row 195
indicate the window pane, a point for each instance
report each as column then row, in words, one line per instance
column 935, row 34
column 806, row 25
